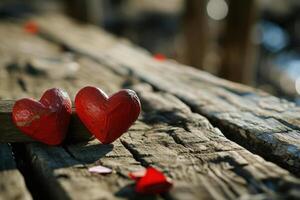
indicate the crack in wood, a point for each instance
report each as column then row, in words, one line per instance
column 24, row 165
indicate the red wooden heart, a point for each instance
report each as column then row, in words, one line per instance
column 46, row 120
column 107, row 117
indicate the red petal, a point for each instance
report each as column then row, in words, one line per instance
column 154, row 182
column 159, row 57
column 31, row 27
column 100, row 170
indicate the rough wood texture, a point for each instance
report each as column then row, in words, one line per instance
column 169, row 135
column 64, row 172
column 12, row 185
column 203, row 162
column 262, row 123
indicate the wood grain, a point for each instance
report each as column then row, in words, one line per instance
column 260, row 122
column 64, row 175
column 168, row 135
column 203, row 162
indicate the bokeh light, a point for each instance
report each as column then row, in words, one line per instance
column 297, row 85
column 217, row 9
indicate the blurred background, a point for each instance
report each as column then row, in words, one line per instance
column 254, row 42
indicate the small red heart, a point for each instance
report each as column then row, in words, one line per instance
column 46, row 120
column 107, row 117
column 153, row 182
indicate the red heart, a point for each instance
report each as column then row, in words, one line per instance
column 46, row 120
column 107, row 117
column 153, row 182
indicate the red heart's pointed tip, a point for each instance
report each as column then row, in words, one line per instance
column 153, row 182
column 107, row 118
column 46, row 120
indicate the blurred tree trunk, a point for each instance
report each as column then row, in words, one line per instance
column 238, row 52
column 77, row 9
column 86, row 11
column 195, row 32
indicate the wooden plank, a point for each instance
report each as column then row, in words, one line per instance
column 202, row 162
column 264, row 124
column 12, row 184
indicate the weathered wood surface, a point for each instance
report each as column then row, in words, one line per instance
column 260, row 122
column 63, row 172
column 168, row 135
column 12, row 185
